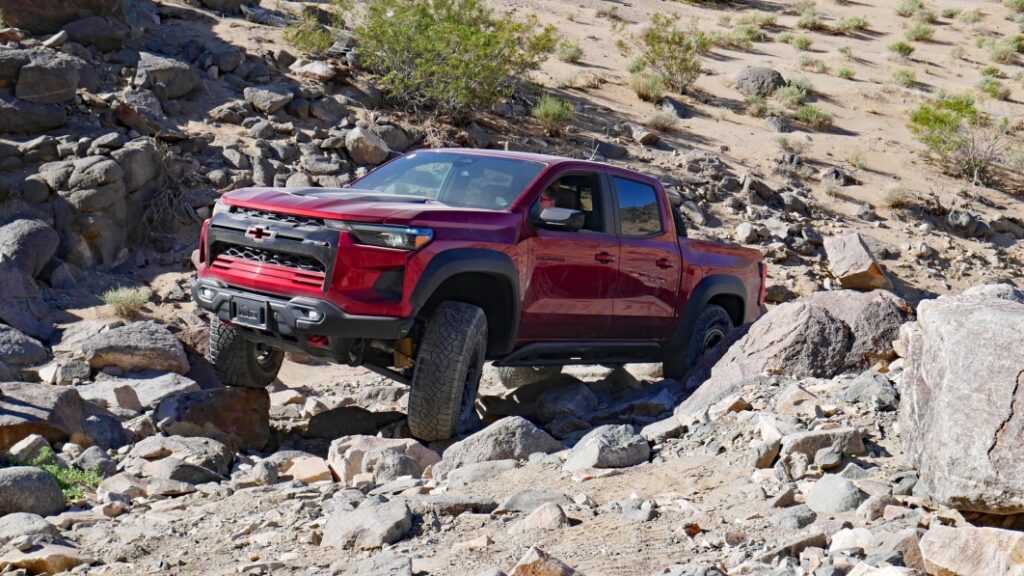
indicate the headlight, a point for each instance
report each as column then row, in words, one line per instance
column 221, row 208
column 400, row 237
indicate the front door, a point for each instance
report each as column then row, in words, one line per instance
column 572, row 275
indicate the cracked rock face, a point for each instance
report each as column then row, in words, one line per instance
column 962, row 407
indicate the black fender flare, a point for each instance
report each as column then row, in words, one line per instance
column 708, row 288
column 450, row 263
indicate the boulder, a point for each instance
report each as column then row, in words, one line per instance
column 226, row 6
column 537, row 562
column 544, row 518
column 23, row 524
column 136, row 394
column 962, row 402
column 969, row 551
column 268, row 99
column 574, row 399
column 106, row 34
column 1002, row 291
column 509, row 438
column 30, row 449
column 368, row 527
column 611, row 446
column 46, row 559
column 21, row 304
column 31, row 490
column 874, row 318
column 235, row 416
column 166, row 77
column 346, row 455
column 365, row 147
column 848, row 441
column 852, row 264
column 758, row 81
column 833, row 494
column 204, row 452
column 29, row 244
column 57, row 413
column 21, row 117
column 18, row 350
column 11, row 61
column 136, row 347
column 141, row 163
column 47, row 16
column 49, row 79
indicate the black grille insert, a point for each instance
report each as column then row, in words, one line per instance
column 277, row 217
column 305, row 263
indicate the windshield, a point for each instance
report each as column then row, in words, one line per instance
column 462, row 180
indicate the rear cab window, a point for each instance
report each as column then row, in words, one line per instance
column 639, row 212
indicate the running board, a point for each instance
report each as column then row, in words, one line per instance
column 566, row 353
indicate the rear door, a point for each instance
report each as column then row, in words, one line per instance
column 649, row 261
column 572, row 275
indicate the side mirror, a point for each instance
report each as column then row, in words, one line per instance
column 565, row 219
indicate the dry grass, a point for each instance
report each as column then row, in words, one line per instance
column 127, row 301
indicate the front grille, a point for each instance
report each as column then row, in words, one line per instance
column 277, row 217
column 262, row 256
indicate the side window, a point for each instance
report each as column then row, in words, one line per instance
column 579, row 191
column 639, row 211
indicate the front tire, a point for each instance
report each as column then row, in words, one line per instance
column 513, row 377
column 711, row 328
column 239, row 362
column 442, row 399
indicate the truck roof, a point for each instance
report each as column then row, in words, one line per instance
column 547, row 159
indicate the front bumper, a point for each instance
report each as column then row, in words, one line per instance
column 290, row 324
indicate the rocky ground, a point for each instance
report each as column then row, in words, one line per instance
column 846, row 432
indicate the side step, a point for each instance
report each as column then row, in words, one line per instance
column 566, row 353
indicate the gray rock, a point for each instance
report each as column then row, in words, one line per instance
column 385, row 564
column 30, row 449
column 966, row 551
column 853, row 265
column 509, row 438
column 106, row 34
column 611, row 446
column 94, row 458
column 758, row 81
column 94, row 172
column 21, row 305
column 530, row 500
column 57, row 413
column 47, row 16
column 848, row 441
column 23, row 524
column 450, row 504
column 166, row 77
column 171, row 468
column 225, row 6
column 49, row 79
column 135, row 347
column 268, row 99
column 795, row 517
column 873, row 389
column 365, row 147
column 29, row 244
column 370, row 526
column 574, row 399
column 965, row 439
column 1001, row 291
column 472, row 473
column 18, row 350
column 235, row 416
column 833, row 494
column 31, row 490
column 387, row 465
column 21, row 117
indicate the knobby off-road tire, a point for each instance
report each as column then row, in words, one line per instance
column 442, row 399
column 239, row 362
column 518, row 376
column 713, row 324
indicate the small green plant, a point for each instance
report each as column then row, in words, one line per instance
column 309, row 34
column 553, row 113
column 907, row 8
column 127, row 301
column 635, row 66
column 851, row 25
column 1003, row 51
column 813, row 64
column 791, row 146
column 757, row 18
column 904, row 77
column 919, row 32
column 675, row 53
column 810, row 20
column 648, row 87
column 846, row 73
column 785, row 37
column 663, row 121
column 994, row 88
column 901, row 49
column 992, row 71
column 958, row 52
column 925, row 16
column 897, row 197
column 963, row 140
column 973, row 16
column 814, row 117
column 801, row 42
column 569, row 51
column 795, row 93
column 950, row 13
column 71, row 480
column 609, row 12
column 847, row 53
column 756, row 106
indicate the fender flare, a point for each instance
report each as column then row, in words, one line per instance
column 708, row 288
column 450, row 263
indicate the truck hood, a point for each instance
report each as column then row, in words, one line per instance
column 332, row 203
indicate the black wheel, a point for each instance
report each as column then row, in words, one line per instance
column 442, row 400
column 518, row 376
column 711, row 328
column 239, row 362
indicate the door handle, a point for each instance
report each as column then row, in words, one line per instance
column 604, row 258
column 663, row 263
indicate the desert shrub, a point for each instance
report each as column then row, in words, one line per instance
column 994, row 88
column 810, row 20
column 670, row 51
column 1002, row 52
column 553, row 113
column 958, row 52
column 814, row 117
column 919, row 32
column 794, row 93
column 1014, row 5
column 814, row 64
column 648, row 87
column 790, row 145
column 756, row 106
column 847, row 52
column 950, row 13
column 785, row 37
column 569, row 51
column 663, row 121
column 733, row 39
column 851, row 25
column 454, row 56
column 310, row 34
column 635, row 66
column 904, row 77
column 925, row 16
column 801, row 42
column 901, row 48
column 992, row 71
column 757, row 18
column 846, row 73
column 907, row 8
column 897, row 197
column 964, row 141
column 609, row 12
column 127, row 301
column 973, row 16
column 70, row 479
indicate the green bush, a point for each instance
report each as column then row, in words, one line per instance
column 569, row 51
column 756, row 106
column 814, row 64
column 663, row 121
column 972, row 16
column 672, row 52
column 308, row 34
column 70, row 480
column 454, row 56
column 756, row 18
column 904, row 77
column 553, row 113
column 1015, row 5
column 794, row 93
column 925, row 16
column 907, row 8
column 126, row 301
column 648, row 87
column 814, row 117
column 809, row 20
column 950, row 13
column 846, row 73
column 959, row 137
column 919, row 32
column 992, row 71
column 901, row 48
column 851, row 25
column 801, row 42
column 994, row 88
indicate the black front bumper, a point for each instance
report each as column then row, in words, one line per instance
column 289, row 323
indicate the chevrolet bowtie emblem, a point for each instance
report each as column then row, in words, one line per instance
column 259, row 233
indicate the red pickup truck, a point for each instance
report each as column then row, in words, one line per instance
column 441, row 259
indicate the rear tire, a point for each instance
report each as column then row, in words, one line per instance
column 712, row 326
column 442, row 399
column 512, row 377
column 239, row 362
